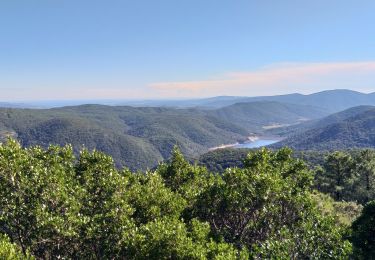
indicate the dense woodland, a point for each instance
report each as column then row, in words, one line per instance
column 349, row 129
column 56, row 205
column 347, row 175
column 140, row 137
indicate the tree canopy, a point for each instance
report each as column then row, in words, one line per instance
column 363, row 236
column 56, row 205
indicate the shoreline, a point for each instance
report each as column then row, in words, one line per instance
column 250, row 139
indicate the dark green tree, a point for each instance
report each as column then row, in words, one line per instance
column 39, row 198
column 151, row 199
column 105, row 211
column 365, row 171
column 337, row 176
column 185, row 179
column 267, row 207
column 363, row 233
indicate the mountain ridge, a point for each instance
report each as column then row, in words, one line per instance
column 329, row 98
column 353, row 128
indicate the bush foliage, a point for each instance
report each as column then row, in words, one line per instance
column 56, row 205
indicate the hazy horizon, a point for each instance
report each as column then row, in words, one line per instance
column 36, row 101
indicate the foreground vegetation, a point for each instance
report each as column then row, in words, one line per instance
column 54, row 205
column 344, row 175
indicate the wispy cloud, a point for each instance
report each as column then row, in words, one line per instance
column 274, row 79
column 278, row 79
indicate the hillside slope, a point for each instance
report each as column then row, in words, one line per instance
column 292, row 130
column 126, row 133
column 350, row 129
column 140, row 137
column 261, row 115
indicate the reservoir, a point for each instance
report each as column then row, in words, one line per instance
column 256, row 143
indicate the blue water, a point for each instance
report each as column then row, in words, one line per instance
column 257, row 143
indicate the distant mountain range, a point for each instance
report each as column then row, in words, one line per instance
column 140, row 137
column 16, row 105
column 331, row 100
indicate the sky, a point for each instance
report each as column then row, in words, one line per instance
column 163, row 49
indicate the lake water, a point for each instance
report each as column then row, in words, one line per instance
column 258, row 143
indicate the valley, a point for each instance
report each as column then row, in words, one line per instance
column 130, row 133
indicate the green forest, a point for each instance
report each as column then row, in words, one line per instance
column 140, row 137
column 58, row 205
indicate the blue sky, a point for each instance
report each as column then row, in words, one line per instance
column 88, row 49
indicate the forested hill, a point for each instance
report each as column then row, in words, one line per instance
column 141, row 137
column 135, row 137
column 262, row 115
column 321, row 122
column 354, row 128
